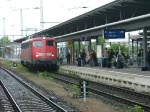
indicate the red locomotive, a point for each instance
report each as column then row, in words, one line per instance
column 39, row 53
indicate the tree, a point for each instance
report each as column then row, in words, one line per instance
column 101, row 40
column 4, row 41
column 124, row 48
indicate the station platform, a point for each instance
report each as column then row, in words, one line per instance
column 133, row 78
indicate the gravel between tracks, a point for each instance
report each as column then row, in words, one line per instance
column 91, row 104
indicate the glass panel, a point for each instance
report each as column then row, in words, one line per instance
column 50, row 43
column 37, row 43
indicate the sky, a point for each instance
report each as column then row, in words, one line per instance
column 54, row 11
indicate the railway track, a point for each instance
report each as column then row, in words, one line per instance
column 5, row 100
column 27, row 98
column 122, row 95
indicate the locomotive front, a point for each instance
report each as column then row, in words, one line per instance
column 44, row 53
column 39, row 53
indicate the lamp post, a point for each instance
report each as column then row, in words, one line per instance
column 41, row 15
column 13, row 33
column 42, row 22
column 21, row 19
column 3, row 27
column 21, row 22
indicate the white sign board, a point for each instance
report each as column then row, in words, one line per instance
column 99, row 51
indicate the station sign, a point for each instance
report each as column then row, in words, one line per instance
column 114, row 33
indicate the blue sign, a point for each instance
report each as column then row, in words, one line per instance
column 114, row 34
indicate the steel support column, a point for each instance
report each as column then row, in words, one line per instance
column 89, row 44
column 144, row 45
column 132, row 51
column 79, row 45
column 137, row 45
column 73, row 52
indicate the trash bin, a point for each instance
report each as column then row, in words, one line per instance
column 144, row 68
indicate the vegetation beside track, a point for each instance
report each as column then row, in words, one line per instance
column 45, row 79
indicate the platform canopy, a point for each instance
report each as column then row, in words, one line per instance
column 112, row 12
column 135, row 37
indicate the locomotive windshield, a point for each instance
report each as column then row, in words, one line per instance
column 50, row 43
column 37, row 43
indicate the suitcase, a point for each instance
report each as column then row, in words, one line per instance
column 119, row 64
column 144, row 68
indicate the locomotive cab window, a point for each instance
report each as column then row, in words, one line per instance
column 25, row 45
column 37, row 43
column 50, row 43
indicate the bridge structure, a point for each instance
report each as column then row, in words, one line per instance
column 129, row 15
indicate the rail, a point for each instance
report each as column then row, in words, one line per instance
column 48, row 101
column 12, row 101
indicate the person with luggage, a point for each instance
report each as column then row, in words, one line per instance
column 90, row 58
column 109, row 59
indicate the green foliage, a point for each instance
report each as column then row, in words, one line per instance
column 93, row 46
column 22, row 68
column 75, row 89
column 123, row 48
column 4, row 40
column 45, row 74
column 136, row 109
column 72, row 88
column 101, row 40
column 6, row 63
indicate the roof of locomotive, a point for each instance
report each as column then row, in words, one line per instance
column 38, row 38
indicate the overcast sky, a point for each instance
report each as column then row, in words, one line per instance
column 53, row 11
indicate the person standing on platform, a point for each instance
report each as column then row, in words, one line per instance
column 105, row 55
column 83, row 57
column 148, row 58
column 90, row 58
column 61, row 57
column 94, row 58
column 68, row 58
column 139, row 57
column 79, row 58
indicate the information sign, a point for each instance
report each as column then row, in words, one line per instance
column 114, row 33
